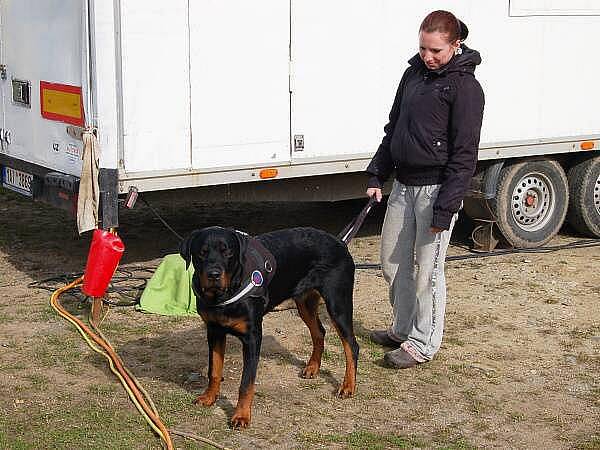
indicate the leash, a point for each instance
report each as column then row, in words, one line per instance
column 345, row 235
column 352, row 228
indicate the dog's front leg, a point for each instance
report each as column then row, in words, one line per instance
column 251, row 342
column 216, row 344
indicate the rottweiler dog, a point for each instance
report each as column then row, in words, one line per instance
column 304, row 264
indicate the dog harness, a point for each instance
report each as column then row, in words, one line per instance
column 259, row 269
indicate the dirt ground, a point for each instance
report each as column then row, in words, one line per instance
column 518, row 366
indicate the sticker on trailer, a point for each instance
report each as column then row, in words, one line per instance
column 62, row 103
column 73, row 152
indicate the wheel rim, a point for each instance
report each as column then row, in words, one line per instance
column 597, row 195
column 534, row 201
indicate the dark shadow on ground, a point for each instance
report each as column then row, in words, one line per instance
column 41, row 240
column 181, row 358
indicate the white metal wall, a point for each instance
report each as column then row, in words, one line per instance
column 155, row 70
column 339, row 75
column 348, row 57
column 41, row 41
column 239, row 82
column 205, row 82
column 536, row 73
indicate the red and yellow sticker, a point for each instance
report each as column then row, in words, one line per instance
column 61, row 102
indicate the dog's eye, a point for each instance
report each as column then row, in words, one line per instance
column 203, row 253
column 227, row 253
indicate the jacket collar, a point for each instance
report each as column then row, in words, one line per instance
column 464, row 62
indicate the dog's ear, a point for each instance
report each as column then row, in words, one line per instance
column 242, row 239
column 238, row 272
column 185, row 248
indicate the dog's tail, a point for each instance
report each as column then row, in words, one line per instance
column 352, row 228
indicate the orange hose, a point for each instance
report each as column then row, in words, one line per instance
column 114, row 358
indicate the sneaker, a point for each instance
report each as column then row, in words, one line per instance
column 400, row 359
column 382, row 337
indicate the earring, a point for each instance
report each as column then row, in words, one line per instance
column 458, row 51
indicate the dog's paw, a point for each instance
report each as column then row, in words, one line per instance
column 345, row 391
column 310, row 371
column 206, row 399
column 240, row 420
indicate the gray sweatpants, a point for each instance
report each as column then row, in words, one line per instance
column 412, row 259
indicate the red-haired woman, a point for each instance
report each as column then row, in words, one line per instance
column 430, row 145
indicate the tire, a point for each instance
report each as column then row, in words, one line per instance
column 584, row 191
column 531, row 202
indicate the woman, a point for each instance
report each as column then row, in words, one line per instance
column 431, row 144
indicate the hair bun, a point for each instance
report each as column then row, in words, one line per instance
column 463, row 30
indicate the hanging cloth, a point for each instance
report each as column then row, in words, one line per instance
column 89, row 190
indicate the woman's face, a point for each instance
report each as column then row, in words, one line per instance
column 435, row 50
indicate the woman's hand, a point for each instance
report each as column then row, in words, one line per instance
column 374, row 192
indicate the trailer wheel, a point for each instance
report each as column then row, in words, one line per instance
column 531, row 202
column 584, row 190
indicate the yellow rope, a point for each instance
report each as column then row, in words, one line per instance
column 80, row 328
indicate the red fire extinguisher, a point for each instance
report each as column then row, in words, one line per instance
column 105, row 253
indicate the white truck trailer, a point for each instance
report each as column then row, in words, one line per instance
column 287, row 99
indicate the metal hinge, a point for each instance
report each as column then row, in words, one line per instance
column 3, row 71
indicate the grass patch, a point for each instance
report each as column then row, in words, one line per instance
column 430, row 377
column 79, row 426
column 45, row 315
column 331, row 356
column 451, row 340
column 363, row 440
column 59, row 351
column 175, row 406
column 589, row 443
column 12, row 366
column 583, row 333
column 450, row 439
column 7, row 318
column 103, row 390
column 517, row 417
column 13, row 443
column 377, row 353
column 37, row 381
column 479, row 405
column 458, row 444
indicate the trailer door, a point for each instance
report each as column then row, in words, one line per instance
column 42, row 86
column 340, row 87
column 239, row 72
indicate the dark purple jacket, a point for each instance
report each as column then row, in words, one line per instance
column 433, row 133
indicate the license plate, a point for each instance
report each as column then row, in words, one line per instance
column 17, row 181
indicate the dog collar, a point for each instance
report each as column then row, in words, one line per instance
column 256, row 280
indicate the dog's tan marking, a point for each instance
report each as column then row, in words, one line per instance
column 308, row 309
column 209, row 396
column 243, row 410
column 349, row 384
column 238, row 324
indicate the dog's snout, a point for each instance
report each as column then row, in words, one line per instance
column 213, row 274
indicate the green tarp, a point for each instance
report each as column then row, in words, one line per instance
column 169, row 291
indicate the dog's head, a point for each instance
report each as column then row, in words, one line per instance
column 217, row 255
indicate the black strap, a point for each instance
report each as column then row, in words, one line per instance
column 352, row 228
